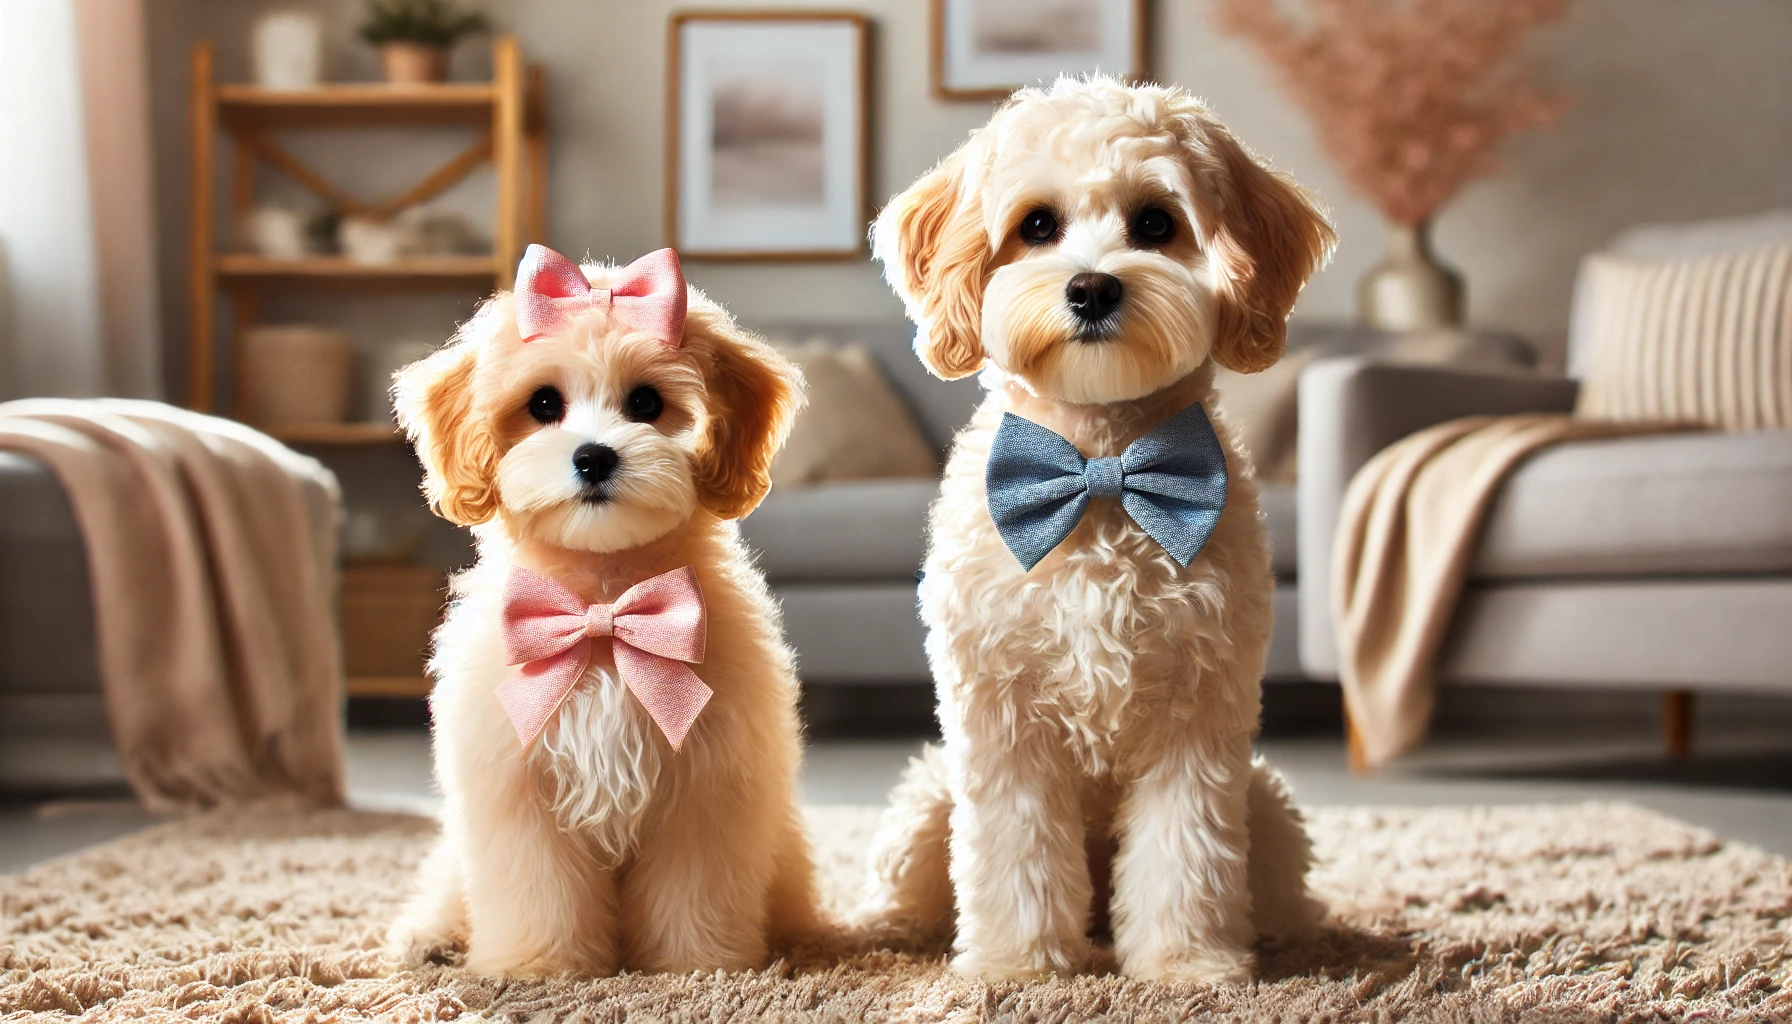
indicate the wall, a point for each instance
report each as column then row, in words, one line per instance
column 1685, row 111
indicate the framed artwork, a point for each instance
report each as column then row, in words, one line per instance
column 766, row 135
column 986, row 49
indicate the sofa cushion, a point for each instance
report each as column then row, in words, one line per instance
column 1667, row 505
column 1690, row 341
column 854, row 427
column 846, row 530
column 940, row 407
column 855, row 632
column 1666, row 243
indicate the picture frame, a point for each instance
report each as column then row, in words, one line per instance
column 986, row 49
column 766, row 136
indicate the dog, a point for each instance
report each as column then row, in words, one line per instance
column 627, row 797
column 1094, row 251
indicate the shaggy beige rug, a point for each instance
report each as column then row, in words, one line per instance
column 1595, row 912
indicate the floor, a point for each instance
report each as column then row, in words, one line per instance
column 1741, row 790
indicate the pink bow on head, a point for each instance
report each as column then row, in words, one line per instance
column 654, row 628
column 647, row 295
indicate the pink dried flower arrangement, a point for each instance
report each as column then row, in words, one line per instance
column 1412, row 98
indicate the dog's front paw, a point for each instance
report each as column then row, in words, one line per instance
column 875, row 927
column 491, row 959
column 1210, row 967
column 412, row 943
column 1028, row 966
column 535, row 967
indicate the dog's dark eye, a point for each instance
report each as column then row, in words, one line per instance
column 1152, row 227
column 645, row 404
column 547, row 405
column 1039, row 227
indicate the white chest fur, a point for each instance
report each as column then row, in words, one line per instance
column 1103, row 631
column 603, row 759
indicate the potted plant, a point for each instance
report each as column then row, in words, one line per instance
column 1412, row 99
column 414, row 36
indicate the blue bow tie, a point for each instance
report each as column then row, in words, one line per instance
column 1172, row 482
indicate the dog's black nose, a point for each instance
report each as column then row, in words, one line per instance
column 594, row 463
column 1093, row 296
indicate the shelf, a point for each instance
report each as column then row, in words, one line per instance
column 335, row 433
column 357, row 104
column 438, row 270
column 388, row 686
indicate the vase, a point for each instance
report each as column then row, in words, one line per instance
column 413, row 63
column 1409, row 290
column 288, row 51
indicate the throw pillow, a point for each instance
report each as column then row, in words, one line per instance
column 854, row 427
column 1705, row 340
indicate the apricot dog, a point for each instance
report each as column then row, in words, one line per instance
column 1093, row 252
column 587, row 831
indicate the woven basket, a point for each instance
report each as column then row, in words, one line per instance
column 296, row 374
column 388, row 610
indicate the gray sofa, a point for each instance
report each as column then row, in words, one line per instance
column 1659, row 562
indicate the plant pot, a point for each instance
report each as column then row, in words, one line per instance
column 413, row 63
column 1410, row 290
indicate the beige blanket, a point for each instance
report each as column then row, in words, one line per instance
column 211, row 552
column 1406, row 537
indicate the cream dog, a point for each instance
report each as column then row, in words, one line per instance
column 1094, row 251
column 601, row 438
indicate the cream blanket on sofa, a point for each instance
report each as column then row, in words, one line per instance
column 211, row 554
column 1406, row 539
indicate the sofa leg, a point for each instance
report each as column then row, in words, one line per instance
column 1676, row 723
column 1353, row 747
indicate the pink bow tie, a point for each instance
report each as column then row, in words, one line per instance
column 654, row 628
column 647, row 295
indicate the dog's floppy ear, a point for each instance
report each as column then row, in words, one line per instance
column 936, row 256
column 753, row 394
column 433, row 399
column 1268, row 236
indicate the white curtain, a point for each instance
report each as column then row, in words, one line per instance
column 78, row 307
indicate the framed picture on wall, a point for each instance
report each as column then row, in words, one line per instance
column 986, row 49
column 766, row 135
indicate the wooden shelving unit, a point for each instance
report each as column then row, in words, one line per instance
column 244, row 120
column 511, row 106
